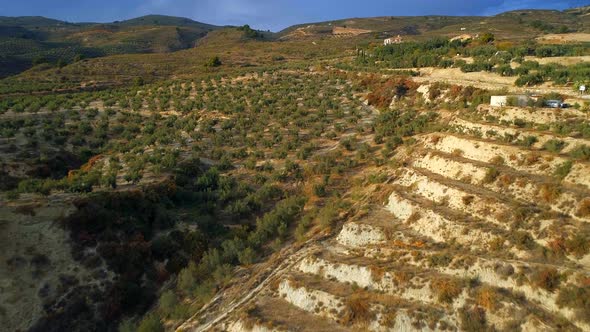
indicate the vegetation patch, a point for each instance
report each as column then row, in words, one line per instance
column 446, row 289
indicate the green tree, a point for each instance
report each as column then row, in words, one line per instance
column 213, row 62
column 487, row 37
column 186, row 279
column 247, row 256
column 151, row 323
column 168, row 302
column 138, row 81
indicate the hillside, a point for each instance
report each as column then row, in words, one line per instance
column 188, row 177
column 157, row 20
column 28, row 41
column 514, row 25
column 30, row 22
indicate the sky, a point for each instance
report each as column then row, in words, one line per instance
column 271, row 15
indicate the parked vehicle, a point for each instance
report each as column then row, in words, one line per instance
column 556, row 104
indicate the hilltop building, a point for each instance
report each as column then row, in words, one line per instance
column 463, row 37
column 396, row 40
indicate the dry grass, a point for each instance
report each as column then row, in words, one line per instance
column 349, row 31
column 531, row 159
column 27, row 209
column 505, row 180
column 357, row 310
column 457, row 153
column 388, row 318
column 434, row 139
column 497, row 160
column 377, row 273
column 446, row 289
column 473, row 319
column 549, row 192
column 491, row 175
column 578, row 245
column 584, row 208
column 402, row 277
column 558, row 246
column 414, row 217
column 467, row 200
column 547, row 278
column 487, row 297
column 564, row 38
column 496, row 244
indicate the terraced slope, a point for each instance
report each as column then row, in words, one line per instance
column 477, row 231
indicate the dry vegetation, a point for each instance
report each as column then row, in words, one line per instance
column 202, row 174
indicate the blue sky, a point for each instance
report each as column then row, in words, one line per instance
column 264, row 14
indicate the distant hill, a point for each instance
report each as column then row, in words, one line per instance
column 386, row 25
column 30, row 21
column 29, row 40
column 163, row 20
column 579, row 11
column 520, row 24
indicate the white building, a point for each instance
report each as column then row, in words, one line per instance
column 390, row 41
column 516, row 100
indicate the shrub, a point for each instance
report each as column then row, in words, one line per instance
column 506, row 180
column 563, row 170
column 441, row 259
column 467, row 200
column 581, row 152
column 577, row 298
column 473, row 320
column 250, row 33
column 529, row 80
column 497, row 160
column 168, row 302
column 504, row 270
column 127, row 326
column 487, row 37
column 213, row 62
column 319, row 189
column 520, row 123
column 247, row 256
column 12, row 195
column 554, row 145
column 523, row 240
column 549, row 192
column 151, row 323
column 446, row 289
column 547, row 278
column 584, row 208
column 578, row 245
column 357, row 310
column 528, row 141
column 348, row 143
column 302, row 227
column 531, row 159
column 491, row 175
column 328, row 214
column 186, row 279
column 487, row 298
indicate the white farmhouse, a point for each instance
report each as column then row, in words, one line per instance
column 516, row 100
column 390, row 41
